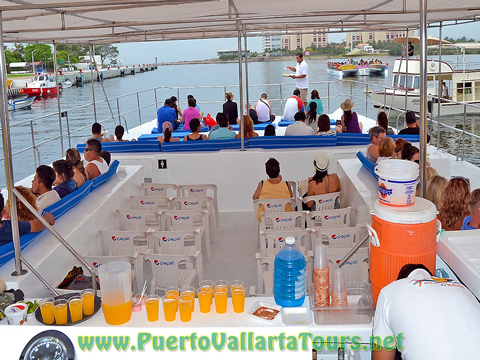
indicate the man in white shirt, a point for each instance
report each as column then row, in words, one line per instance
column 42, row 185
column 96, row 165
column 426, row 317
column 301, row 77
column 292, row 106
column 263, row 109
column 299, row 127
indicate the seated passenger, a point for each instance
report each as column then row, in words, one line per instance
column 166, row 113
column 190, row 113
column 299, row 127
column 23, row 214
column 377, row 133
column 196, row 105
column 386, row 149
column 42, row 185
column 263, row 108
column 324, row 125
column 435, row 186
column 24, row 227
column 272, row 188
column 269, row 130
column 293, row 105
column 312, row 117
column 96, row 165
column 472, row 221
column 97, row 133
column 64, row 181
column 399, row 144
column 222, row 132
column 315, row 98
column 454, row 206
column 119, row 132
column 73, row 157
column 167, row 133
column 178, row 111
column 410, row 152
column 195, row 134
column 382, row 120
column 322, row 183
column 105, row 155
column 248, row 128
column 250, row 112
column 413, row 127
column 349, row 120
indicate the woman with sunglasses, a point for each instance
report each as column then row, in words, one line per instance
column 454, row 206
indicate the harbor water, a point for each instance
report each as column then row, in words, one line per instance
column 207, row 82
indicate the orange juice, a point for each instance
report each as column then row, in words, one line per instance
column 75, row 306
column 47, row 312
column 221, row 288
column 185, row 311
column 117, row 314
column 220, row 302
column 204, row 299
column 191, row 297
column 60, row 312
column 174, row 295
column 152, row 304
column 238, row 299
column 88, row 303
column 169, row 308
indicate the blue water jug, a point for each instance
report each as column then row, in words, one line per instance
column 289, row 281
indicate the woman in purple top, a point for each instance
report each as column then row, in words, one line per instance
column 349, row 119
column 190, row 113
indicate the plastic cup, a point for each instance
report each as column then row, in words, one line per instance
column 238, row 299
column 221, row 285
column 170, row 306
column 185, row 310
column 140, row 299
column 173, row 292
column 204, row 294
column 75, row 307
column 46, row 308
column 211, row 285
column 152, row 303
column 321, row 260
column 16, row 314
column 220, row 301
column 189, row 292
column 60, row 311
column 339, row 288
column 235, row 284
column 88, row 301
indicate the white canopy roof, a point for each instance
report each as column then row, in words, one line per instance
column 112, row 21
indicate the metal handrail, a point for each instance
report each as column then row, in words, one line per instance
column 59, row 238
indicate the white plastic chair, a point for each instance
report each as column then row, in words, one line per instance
column 323, row 202
column 273, row 240
column 265, row 268
column 166, row 271
column 138, row 219
column 209, row 190
column 283, row 220
column 335, row 218
column 198, row 203
column 179, row 220
column 173, row 242
column 344, row 238
column 355, row 268
column 158, row 189
column 271, row 206
column 150, row 203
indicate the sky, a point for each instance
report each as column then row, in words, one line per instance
column 170, row 51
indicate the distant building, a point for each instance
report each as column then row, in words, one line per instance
column 271, row 42
column 370, row 36
column 305, row 38
column 367, row 48
column 232, row 52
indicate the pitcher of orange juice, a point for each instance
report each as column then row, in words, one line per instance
column 116, row 290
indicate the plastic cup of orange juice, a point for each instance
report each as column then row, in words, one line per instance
column 236, row 283
column 220, row 301
column 152, row 303
column 88, row 301
column 185, row 310
column 46, row 308
column 221, row 285
column 173, row 292
column 60, row 311
column 210, row 284
column 188, row 292
column 238, row 299
column 170, row 306
column 75, row 307
column 204, row 294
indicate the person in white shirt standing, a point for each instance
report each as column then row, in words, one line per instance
column 42, row 185
column 299, row 127
column 301, row 77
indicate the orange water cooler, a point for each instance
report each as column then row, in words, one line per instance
column 401, row 235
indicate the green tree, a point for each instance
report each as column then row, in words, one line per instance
column 42, row 51
column 13, row 56
column 106, row 51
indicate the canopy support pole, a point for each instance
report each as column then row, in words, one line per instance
column 7, row 154
column 440, row 84
column 246, row 70
column 240, row 84
column 58, row 97
column 93, row 87
column 406, row 81
column 423, row 95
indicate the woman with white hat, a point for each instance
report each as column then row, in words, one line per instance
column 350, row 123
column 322, row 182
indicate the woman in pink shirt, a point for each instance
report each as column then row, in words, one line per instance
column 190, row 113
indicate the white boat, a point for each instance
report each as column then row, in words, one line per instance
column 21, row 103
column 41, row 85
column 342, row 70
column 67, row 83
column 378, row 69
column 462, row 86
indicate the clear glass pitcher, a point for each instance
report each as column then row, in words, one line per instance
column 116, row 290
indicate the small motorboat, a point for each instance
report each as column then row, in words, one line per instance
column 21, row 103
column 41, row 85
column 67, row 83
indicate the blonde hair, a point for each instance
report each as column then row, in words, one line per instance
column 386, row 147
column 454, row 201
column 473, row 200
column 22, row 212
column 431, row 172
column 248, row 126
column 435, row 186
column 73, row 157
